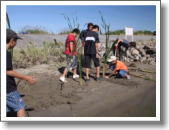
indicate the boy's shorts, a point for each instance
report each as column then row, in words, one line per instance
column 71, row 62
column 14, row 102
column 88, row 58
column 122, row 73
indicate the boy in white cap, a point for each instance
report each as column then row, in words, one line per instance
column 118, row 68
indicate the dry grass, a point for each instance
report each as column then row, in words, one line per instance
column 32, row 55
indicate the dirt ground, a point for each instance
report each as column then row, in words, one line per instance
column 105, row 98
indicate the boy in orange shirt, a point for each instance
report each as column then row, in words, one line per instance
column 118, row 68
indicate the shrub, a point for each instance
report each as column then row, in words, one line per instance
column 143, row 32
column 32, row 55
column 33, row 30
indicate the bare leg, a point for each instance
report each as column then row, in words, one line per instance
column 127, row 76
column 87, row 73
column 97, row 72
column 65, row 72
column 21, row 113
column 74, row 71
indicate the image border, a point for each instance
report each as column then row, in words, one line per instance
column 4, row 4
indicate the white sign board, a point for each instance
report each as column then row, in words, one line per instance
column 129, row 33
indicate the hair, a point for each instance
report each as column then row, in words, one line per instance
column 76, row 30
column 132, row 44
column 89, row 24
column 95, row 26
column 9, row 39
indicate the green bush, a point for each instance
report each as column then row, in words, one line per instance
column 36, row 31
column 139, row 32
column 117, row 32
column 143, row 32
column 64, row 32
column 33, row 30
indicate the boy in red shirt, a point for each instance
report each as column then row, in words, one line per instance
column 70, row 52
column 118, row 68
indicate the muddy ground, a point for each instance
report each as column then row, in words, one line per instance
column 105, row 98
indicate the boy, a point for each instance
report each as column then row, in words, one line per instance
column 118, row 68
column 70, row 52
column 84, row 32
column 121, row 46
column 14, row 101
column 91, row 51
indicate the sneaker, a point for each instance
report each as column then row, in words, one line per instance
column 63, row 79
column 128, row 77
column 98, row 78
column 75, row 76
column 87, row 80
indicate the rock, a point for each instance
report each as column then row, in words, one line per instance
column 149, row 50
column 132, row 65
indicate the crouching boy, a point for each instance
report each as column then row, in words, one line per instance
column 70, row 52
column 118, row 68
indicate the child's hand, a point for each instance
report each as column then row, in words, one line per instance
column 98, row 56
column 30, row 80
column 83, row 44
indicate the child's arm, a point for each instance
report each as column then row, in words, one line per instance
column 19, row 76
column 111, row 74
column 71, row 48
column 97, row 50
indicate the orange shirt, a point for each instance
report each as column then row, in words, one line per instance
column 120, row 66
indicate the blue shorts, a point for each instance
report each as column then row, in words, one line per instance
column 122, row 73
column 14, row 102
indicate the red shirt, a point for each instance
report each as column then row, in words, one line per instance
column 70, row 38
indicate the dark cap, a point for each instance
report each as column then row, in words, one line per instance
column 10, row 34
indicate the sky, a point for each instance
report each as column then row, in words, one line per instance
column 51, row 18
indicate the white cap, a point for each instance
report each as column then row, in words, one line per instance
column 112, row 58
